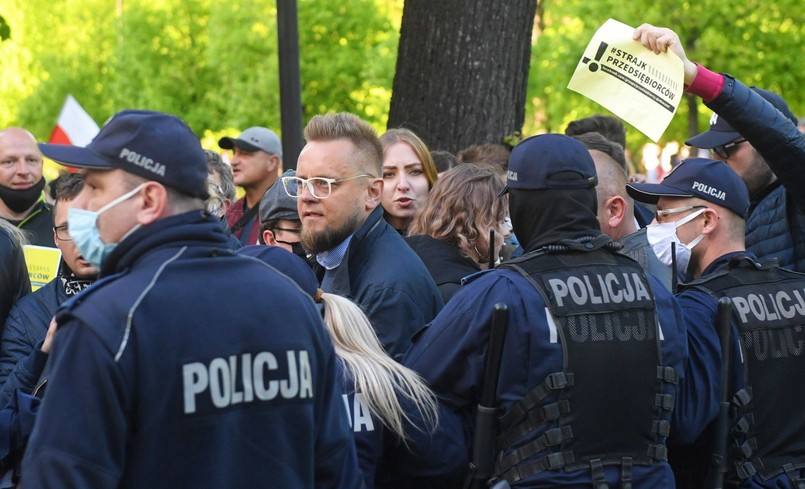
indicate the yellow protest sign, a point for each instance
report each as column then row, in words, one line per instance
column 43, row 264
column 640, row 87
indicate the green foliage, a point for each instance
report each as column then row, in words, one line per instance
column 212, row 62
column 759, row 42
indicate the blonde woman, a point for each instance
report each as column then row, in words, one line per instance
column 408, row 175
column 402, row 437
column 451, row 231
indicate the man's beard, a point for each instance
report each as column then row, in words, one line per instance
column 329, row 238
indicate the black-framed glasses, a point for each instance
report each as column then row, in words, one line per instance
column 61, row 233
column 724, row 151
column 319, row 187
column 288, row 230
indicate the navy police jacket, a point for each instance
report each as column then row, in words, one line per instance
column 451, row 355
column 187, row 365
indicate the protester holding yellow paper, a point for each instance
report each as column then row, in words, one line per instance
column 618, row 73
column 755, row 133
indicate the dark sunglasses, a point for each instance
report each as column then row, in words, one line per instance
column 725, row 150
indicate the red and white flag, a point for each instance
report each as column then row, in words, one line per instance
column 74, row 126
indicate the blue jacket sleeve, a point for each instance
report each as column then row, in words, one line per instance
column 79, row 439
column 21, row 358
column 772, row 134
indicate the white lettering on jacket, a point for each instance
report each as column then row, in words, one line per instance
column 242, row 379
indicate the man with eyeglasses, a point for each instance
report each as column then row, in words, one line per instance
column 338, row 189
column 755, row 133
column 701, row 206
column 29, row 329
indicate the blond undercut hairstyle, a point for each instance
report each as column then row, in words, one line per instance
column 461, row 209
column 368, row 154
column 381, row 380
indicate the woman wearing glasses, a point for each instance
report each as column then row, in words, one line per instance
column 408, row 175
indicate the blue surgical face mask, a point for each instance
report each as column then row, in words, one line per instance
column 83, row 228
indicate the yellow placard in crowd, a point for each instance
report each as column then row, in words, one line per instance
column 43, row 264
column 640, row 87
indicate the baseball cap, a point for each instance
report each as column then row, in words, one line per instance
column 156, row 146
column 277, row 204
column 710, row 180
column 550, row 161
column 721, row 132
column 254, row 139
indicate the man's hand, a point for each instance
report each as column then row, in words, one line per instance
column 660, row 40
column 49, row 336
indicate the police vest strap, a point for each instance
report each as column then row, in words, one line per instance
column 657, row 452
column 626, row 473
column 550, row 438
column 552, row 461
column 742, row 397
column 664, row 401
column 661, row 427
column 597, row 474
column 536, row 417
column 667, row 374
column 743, row 424
column 793, row 474
column 553, row 382
column 745, row 470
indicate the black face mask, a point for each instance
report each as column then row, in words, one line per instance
column 299, row 251
column 21, row 200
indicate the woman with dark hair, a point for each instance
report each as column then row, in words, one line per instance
column 14, row 281
column 451, row 232
column 408, row 175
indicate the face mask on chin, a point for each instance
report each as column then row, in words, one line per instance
column 298, row 250
column 20, row 200
column 661, row 237
column 83, row 228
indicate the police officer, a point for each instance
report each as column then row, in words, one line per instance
column 593, row 345
column 164, row 373
column 701, row 207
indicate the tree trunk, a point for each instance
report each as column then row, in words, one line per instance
column 462, row 70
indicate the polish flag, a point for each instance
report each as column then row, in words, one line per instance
column 74, row 126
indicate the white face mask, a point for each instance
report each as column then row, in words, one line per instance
column 660, row 237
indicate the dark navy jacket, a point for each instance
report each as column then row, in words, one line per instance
column 388, row 281
column 21, row 357
column 775, row 227
column 451, row 354
column 445, row 263
column 187, row 365
column 428, row 459
column 14, row 281
column 700, row 394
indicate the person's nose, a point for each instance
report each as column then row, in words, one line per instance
column 402, row 182
column 22, row 167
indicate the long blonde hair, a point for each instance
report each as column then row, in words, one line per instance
column 381, row 380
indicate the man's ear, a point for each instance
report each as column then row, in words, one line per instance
column 154, row 203
column 374, row 194
column 268, row 238
column 616, row 210
column 710, row 221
